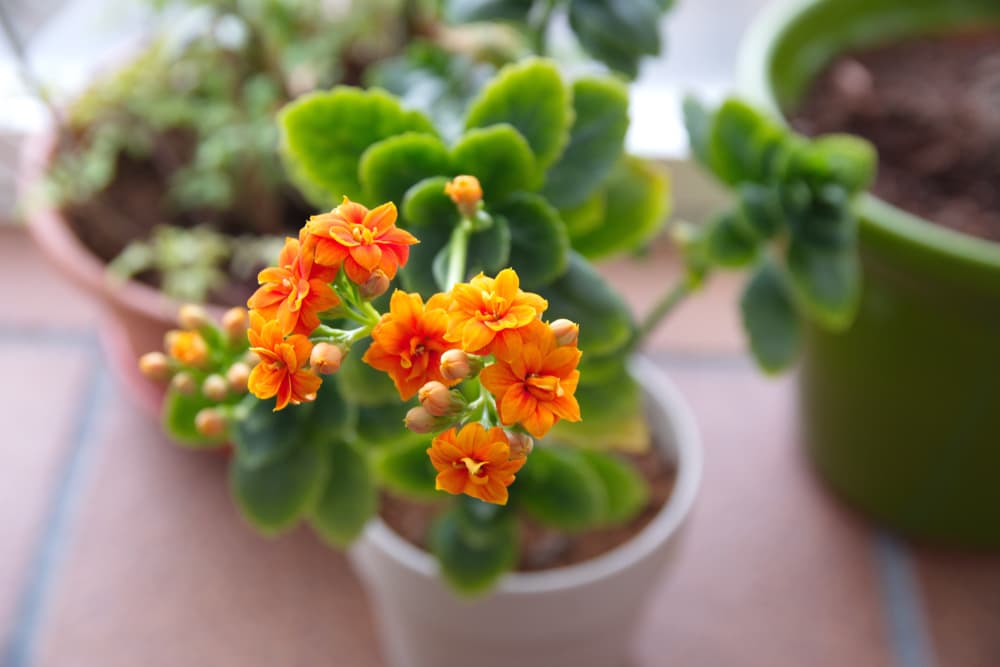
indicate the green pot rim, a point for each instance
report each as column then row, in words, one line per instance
column 884, row 223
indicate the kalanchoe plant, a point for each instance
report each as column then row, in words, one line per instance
column 792, row 225
column 444, row 387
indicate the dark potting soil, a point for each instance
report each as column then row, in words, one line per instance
column 931, row 106
column 543, row 548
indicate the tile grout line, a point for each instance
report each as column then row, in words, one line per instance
column 905, row 614
column 49, row 550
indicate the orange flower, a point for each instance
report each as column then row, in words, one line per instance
column 474, row 461
column 280, row 371
column 536, row 389
column 408, row 341
column 489, row 315
column 295, row 291
column 187, row 347
column 362, row 240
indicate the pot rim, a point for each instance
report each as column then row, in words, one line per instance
column 687, row 442
column 756, row 53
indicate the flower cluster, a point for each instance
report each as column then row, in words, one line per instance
column 488, row 333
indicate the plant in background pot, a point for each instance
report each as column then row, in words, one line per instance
column 445, row 387
column 900, row 410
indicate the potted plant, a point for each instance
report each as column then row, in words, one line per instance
column 899, row 413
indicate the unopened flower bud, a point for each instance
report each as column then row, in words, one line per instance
column 155, row 366
column 376, row 285
column 215, row 387
column 521, row 444
column 419, row 420
column 250, row 358
column 184, row 384
column 466, row 192
column 438, row 400
column 458, row 364
column 210, row 423
column 187, row 347
column 234, row 323
column 326, row 358
column 192, row 317
column 237, row 377
column 566, row 331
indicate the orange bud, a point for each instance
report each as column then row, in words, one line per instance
column 376, row 285
column 250, row 358
column 237, row 377
column 466, row 192
column 184, row 384
column 566, row 331
column 192, row 317
column 187, row 347
column 456, row 364
column 215, row 387
column 155, row 366
column 521, row 444
column 326, row 358
column 419, row 420
column 210, row 423
column 234, row 323
column 438, row 400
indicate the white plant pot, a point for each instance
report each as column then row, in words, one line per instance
column 578, row 616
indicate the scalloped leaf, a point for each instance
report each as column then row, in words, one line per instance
column 770, row 319
column 382, row 425
column 326, row 133
column 389, row 168
column 406, row 470
column 531, row 97
column 426, row 205
column 637, row 205
column 474, row 548
column 617, row 33
column 274, row 495
column 348, row 497
column 263, row 435
column 626, row 489
column 500, row 157
column 731, row 242
column 467, row 11
column 539, row 244
column 596, row 142
column 360, row 383
column 586, row 216
column 559, row 489
column 827, row 282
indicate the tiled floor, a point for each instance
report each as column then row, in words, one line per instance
column 118, row 549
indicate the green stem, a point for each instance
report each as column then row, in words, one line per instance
column 663, row 307
column 458, row 252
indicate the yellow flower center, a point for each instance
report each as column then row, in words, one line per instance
column 362, row 234
column 544, row 387
column 494, row 307
column 476, row 473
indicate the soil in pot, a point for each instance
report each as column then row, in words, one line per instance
column 931, row 106
column 543, row 548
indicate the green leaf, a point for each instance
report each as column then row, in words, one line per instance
column 539, row 245
column 499, row 157
column 827, row 281
column 626, row 489
column 529, row 95
column 179, row 411
column 605, row 408
column 596, row 142
column 582, row 295
column 360, row 383
column 263, row 436
column 348, row 498
column 325, row 134
column 637, row 204
column 468, row 11
column 760, row 206
column 426, row 205
column 842, row 159
column 741, row 143
column 474, row 550
column 770, row 318
column 382, row 425
column 698, row 121
column 331, row 413
column 406, row 470
column 586, row 216
column 731, row 241
column 274, row 495
column 488, row 251
column 559, row 489
column 617, row 33
column 392, row 166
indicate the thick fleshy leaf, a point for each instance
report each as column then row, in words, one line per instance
column 558, row 488
column 596, row 142
column 325, row 134
column 474, row 548
column 348, row 497
column 582, row 295
column 698, row 121
column 392, row 166
column 406, row 470
column 426, row 205
column 488, row 252
column 382, row 425
column 539, row 244
column 360, row 383
column 626, row 489
column 612, row 416
column 617, row 33
column 585, row 217
column 467, row 11
column 770, row 318
column 842, row 159
column 637, row 204
column 274, row 495
column 263, row 436
column 499, row 157
column 827, row 281
column 529, row 95
column 179, row 412
column 743, row 144
column 731, row 241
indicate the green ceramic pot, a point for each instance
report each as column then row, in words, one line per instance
column 901, row 414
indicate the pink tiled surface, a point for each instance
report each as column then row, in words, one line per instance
column 147, row 563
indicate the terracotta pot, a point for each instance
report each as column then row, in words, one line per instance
column 578, row 616
column 135, row 315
